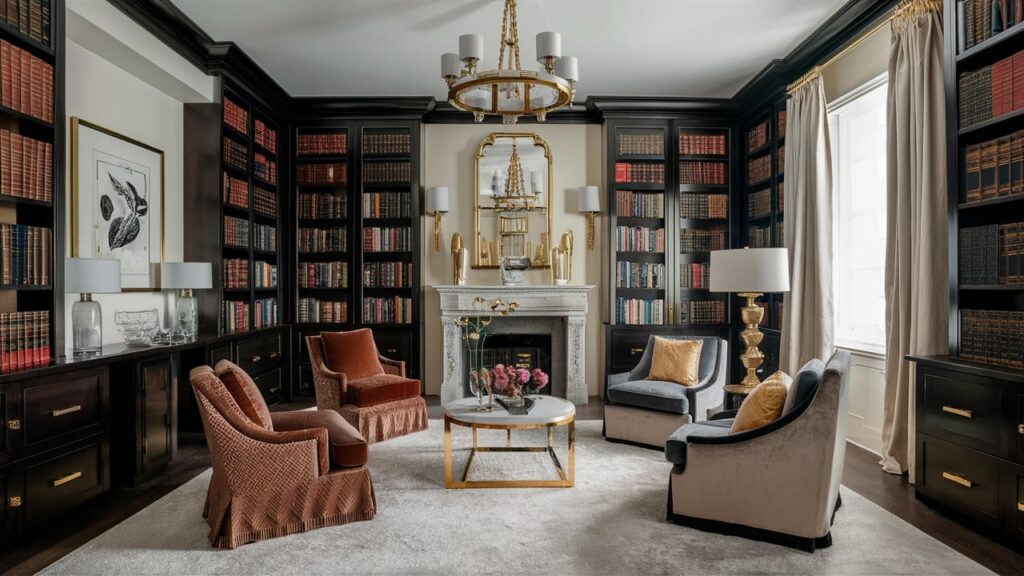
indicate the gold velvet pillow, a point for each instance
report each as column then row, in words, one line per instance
column 676, row 361
column 764, row 404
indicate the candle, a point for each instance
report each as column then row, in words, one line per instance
column 471, row 47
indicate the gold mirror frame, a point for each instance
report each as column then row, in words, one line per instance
column 490, row 140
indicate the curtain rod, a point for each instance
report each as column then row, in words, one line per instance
column 905, row 7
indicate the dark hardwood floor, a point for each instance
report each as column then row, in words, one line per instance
column 862, row 474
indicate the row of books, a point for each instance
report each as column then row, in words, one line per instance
column 236, row 191
column 265, row 202
column 702, row 143
column 322, row 144
column 387, row 275
column 30, row 17
column 979, row 20
column 236, row 116
column 264, row 313
column 264, row 238
column 394, row 142
column 639, row 311
column 322, row 206
column 236, row 273
column 639, row 239
column 782, row 196
column 236, row 232
column 387, row 205
column 702, row 312
column 264, row 275
column 994, row 168
column 992, row 254
column 653, row 143
column 264, row 168
column 704, row 206
column 26, row 167
column 780, row 234
column 313, row 310
column 236, row 155
column 992, row 91
column 27, row 82
column 782, row 124
column 391, row 310
column 24, row 340
column 992, row 337
column 265, row 136
column 759, row 236
column 387, row 172
column 322, row 274
column 694, row 275
column 387, row 239
column 757, row 137
column 25, row 255
column 780, row 160
column 312, row 240
column 234, row 316
column 758, row 170
column 640, row 172
column 759, row 203
column 315, row 174
column 639, row 204
column 701, row 240
column 701, row 172
column 639, row 275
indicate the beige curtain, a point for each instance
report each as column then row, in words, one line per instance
column 916, row 262
column 807, row 323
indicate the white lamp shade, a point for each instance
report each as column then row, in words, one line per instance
column 568, row 67
column 589, row 199
column 757, row 270
column 437, row 199
column 549, row 45
column 471, row 46
column 92, row 276
column 186, row 275
column 450, row 65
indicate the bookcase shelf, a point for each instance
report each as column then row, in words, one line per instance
column 992, row 127
column 988, row 51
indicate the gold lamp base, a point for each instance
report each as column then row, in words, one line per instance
column 752, row 358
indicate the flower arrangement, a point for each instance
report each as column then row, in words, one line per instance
column 474, row 334
column 515, row 382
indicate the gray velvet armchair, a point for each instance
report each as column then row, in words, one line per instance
column 646, row 412
column 779, row 482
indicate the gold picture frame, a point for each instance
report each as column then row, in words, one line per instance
column 80, row 129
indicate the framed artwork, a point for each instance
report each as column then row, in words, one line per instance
column 117, row 196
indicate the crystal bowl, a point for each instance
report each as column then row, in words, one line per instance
column 137, row 328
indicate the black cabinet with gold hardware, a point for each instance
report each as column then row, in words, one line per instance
column 970, row 444
column 145, row 432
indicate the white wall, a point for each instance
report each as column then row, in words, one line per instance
column 122, row 78
column 448, row 160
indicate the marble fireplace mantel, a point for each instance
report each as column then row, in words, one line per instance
column 568, row 302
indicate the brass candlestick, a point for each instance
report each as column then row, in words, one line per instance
column 752, row 357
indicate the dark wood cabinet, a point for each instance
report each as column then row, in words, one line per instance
column 146, row 401
column 9, row 419
column 61, row 480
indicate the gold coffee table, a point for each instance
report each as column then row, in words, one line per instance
column 548, row 412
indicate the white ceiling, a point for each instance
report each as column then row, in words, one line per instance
column 699, row 48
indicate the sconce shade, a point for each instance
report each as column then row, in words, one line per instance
column 751, row 270
column 568, row 67
column 471, row 47
column 437, row 199
column 589, row 199
column 92, row 276
column 450, row 65
column 186, row 275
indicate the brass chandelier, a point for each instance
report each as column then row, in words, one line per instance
column 509, row 91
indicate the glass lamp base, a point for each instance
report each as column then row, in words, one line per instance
column 187, row 315
column 87, row 327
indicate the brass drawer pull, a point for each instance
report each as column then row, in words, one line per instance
column 958, row 411
column 68, row 410
column 14, row 501
column 274, row 355
column 274, row 390
column 958, row 479
column 1020, row 506
column 392, row 350
column 636, row 351
column 256, row 358
column 1020, row 428
column 65, row 479
column 14, row 424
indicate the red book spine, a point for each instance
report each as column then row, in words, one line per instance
column 1018, row 79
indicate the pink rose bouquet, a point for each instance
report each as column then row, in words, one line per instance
column 514, row 382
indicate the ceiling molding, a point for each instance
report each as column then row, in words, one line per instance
column 318, row 106
column 611, row 106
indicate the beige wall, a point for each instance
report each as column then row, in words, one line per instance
column 448, row 153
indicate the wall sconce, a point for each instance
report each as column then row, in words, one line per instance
column 589, row 203
column 437, row 206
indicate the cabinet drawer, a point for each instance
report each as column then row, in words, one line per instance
column 63, row 406
column 304, row 386
column 270, row 386
column 961, row 478
column 964, row 411
column 627, row 348
column 59, row 483
column 394, row 346
column 256, row 354
column 218, row 353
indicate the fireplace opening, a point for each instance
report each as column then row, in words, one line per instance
column 520, row 350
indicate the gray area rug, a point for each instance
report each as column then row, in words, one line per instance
column 611, row 522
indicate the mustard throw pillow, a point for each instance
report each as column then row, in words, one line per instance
column 764, row 404
column 676, row 361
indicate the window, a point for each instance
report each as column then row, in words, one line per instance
column 857, row 129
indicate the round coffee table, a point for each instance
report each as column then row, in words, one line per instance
column 547, row 412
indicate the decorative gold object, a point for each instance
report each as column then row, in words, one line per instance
column 752, row 357
column 957, row 479
column 589, row 203
column 436, row 204
column 561, row 260
column 460, row 257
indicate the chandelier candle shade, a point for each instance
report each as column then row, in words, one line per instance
column 510, row 91
column 436, row 205
column 88, row 276
column 186, row 277
column 750, row 273
column 589, row 203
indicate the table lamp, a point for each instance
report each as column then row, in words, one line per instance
column 186, row 277
column 750, row 272
column 88, row 276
